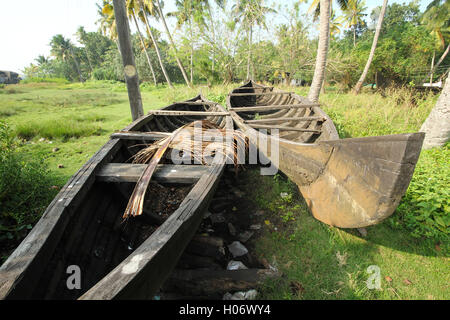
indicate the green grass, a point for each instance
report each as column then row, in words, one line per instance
column 319, row 262
column 331, row 263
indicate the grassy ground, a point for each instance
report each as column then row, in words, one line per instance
column 66, row 123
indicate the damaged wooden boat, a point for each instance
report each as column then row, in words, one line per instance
column 83, row 229
column 348, row 183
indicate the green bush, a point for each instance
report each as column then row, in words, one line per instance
column 425, row 209
column 25, row 191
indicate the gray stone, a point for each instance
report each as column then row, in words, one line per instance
column 237, row 249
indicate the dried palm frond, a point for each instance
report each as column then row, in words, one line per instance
column 192, row 138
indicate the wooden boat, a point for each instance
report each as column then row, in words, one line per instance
column 83, row 226
column 348, row 183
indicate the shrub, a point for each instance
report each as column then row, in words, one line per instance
column 425, row 209
column 25, row 191
column 45, row 80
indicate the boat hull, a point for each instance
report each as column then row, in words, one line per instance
column 83, row 225
column 347, row 183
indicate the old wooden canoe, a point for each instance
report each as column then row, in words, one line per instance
column 348, row 183
column 83, row 226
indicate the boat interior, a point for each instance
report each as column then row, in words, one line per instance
column 96, row 237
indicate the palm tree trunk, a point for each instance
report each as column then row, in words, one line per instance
column 360, row 82
column 173, row 44
column 149, row 31
column 249, row 58
column 322, row 51
column 129, row 66
column 145, row 49
column 192, row 52
column 77, row 66
column 354, row 35
column 214, row 37
column 432, row 67
column 438, row 63
column 437, row 125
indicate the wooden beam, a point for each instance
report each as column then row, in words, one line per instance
column 126, row 51
column 155, row 135
column 187, row 113
column 261, row 126
column 284, row 119
column 165, row 173
column 197, row 103
column 272, row 93
column 137, row 135
column 273, row 107
column 251, row 88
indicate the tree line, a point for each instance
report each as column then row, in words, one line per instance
column 222, row 42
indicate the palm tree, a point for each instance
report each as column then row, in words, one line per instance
column 160, row 15
column 146, row 8
column 435, row 19
column 82, row 37
column 207, row 5
column 133, row 6
column 354, row 15
column 188, row 11
column 372, row 50
column 62, row 49
column 249, row 13
column 41, row 59
column 322, row 9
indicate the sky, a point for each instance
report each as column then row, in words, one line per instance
column 28, row 25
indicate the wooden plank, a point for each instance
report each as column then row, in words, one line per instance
column 155, row 135
column 201, row 282
column 197, row 103
column 188, row 113
column 273, row 107
column 271, row 93
column 252, row 88
column 284, row 119
column 137, row 135
column 261, row 126
column 169, row 173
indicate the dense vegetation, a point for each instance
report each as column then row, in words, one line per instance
column 219, row 42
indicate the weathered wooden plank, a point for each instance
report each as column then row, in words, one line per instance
column 137, row 135
column 268, row 120
column 261, row 126
column 188, row 113
column 273, row 107
column 169, row 173
column 271, row 93
column 208, row 282
column 197, row 103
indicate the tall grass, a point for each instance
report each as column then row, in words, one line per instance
column 62, row 128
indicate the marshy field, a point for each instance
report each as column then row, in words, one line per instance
column 48, row 130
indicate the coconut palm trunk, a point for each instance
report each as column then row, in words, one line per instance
column 180, row 65
column 322, row 51
column 437, row 125
column 249, row 58
column 150, row 32
column 77, row 65
column 433, row 69
column 360, row 82
column 145, row 49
